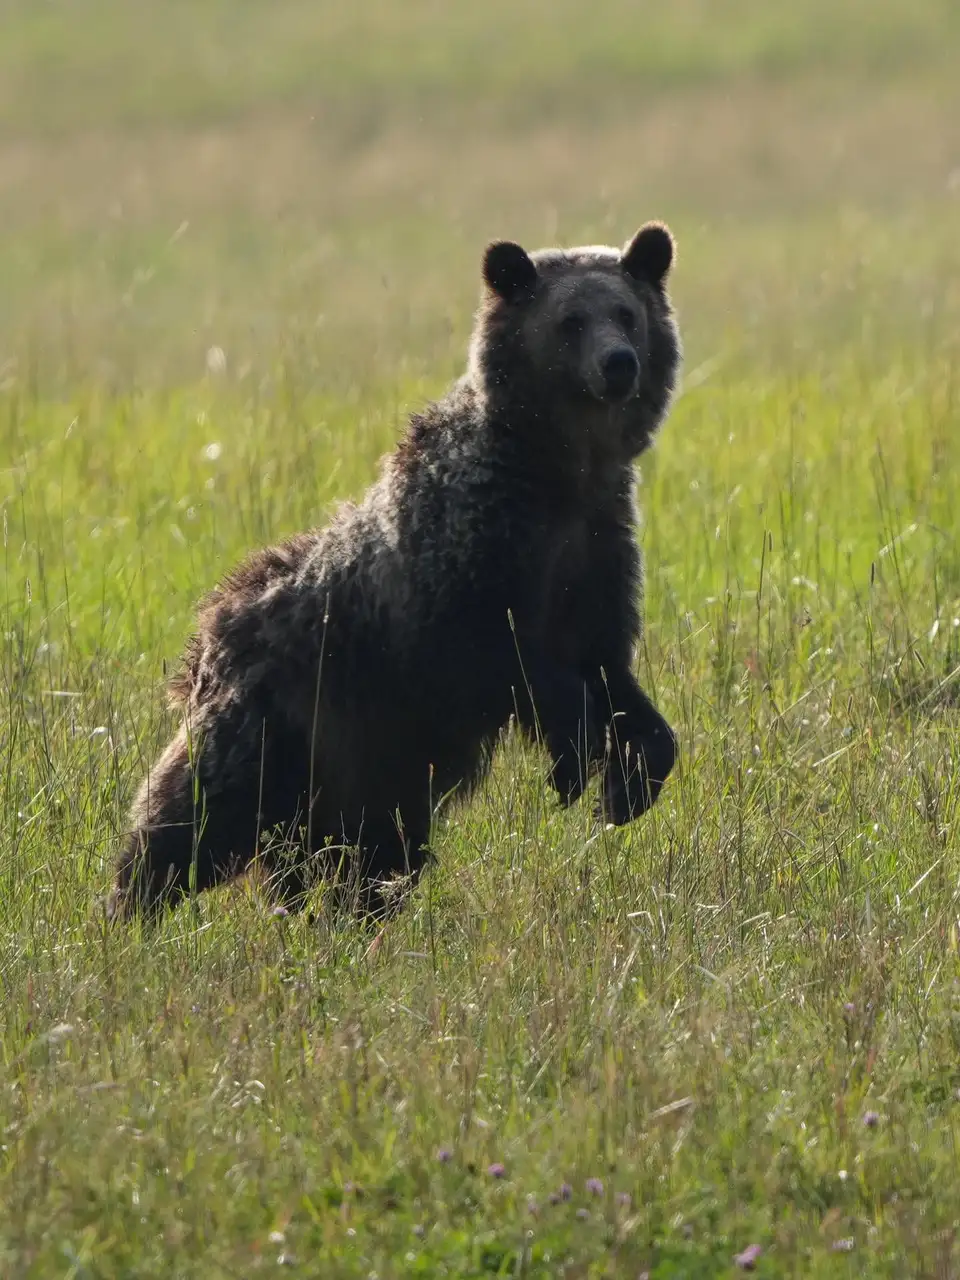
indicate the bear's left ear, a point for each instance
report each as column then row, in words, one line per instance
column 649, row 255
column 509, row 271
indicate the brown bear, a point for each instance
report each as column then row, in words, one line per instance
column 343, row 682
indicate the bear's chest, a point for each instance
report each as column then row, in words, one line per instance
column 568, row 589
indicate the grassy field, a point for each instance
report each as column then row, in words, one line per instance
column 578, row 1053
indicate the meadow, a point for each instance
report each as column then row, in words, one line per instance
column 239, row 242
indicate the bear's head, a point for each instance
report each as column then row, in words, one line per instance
column 587, row 331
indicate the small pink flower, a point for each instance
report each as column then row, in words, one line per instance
column 496, row 1170
column 748, row 1259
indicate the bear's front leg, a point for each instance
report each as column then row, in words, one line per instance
column 641, row 751
column 575, row 741
column 558, row 705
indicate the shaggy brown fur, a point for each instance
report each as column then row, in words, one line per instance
column 343, row 682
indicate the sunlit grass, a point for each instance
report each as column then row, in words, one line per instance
column 551, row 989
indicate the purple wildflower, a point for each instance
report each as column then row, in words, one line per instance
column 496, row 1170
column 747, row 1260
column 849, row 1008
column 444, row 1155
column 871, row 1119
column 279, row 913
column 595, row 1186
column 623, row 1199
column 566, row 1191
column 842, row 1246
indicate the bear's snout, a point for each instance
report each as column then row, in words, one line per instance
column 621, row 373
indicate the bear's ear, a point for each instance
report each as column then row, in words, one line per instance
column 649, row 255
column 509, row 271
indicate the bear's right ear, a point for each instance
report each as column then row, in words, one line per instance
column 509, row 271
column 649, row 255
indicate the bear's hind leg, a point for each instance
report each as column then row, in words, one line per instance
column 197, row 821
column 167, row 846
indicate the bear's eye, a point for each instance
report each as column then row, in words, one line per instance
column 625, row 318
column 572, row 325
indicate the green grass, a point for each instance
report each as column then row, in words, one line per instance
column 742, row 1015
column 129, row 62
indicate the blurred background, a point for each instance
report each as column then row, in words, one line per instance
column 310, row 181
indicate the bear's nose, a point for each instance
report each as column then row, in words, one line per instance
column 620, row 371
